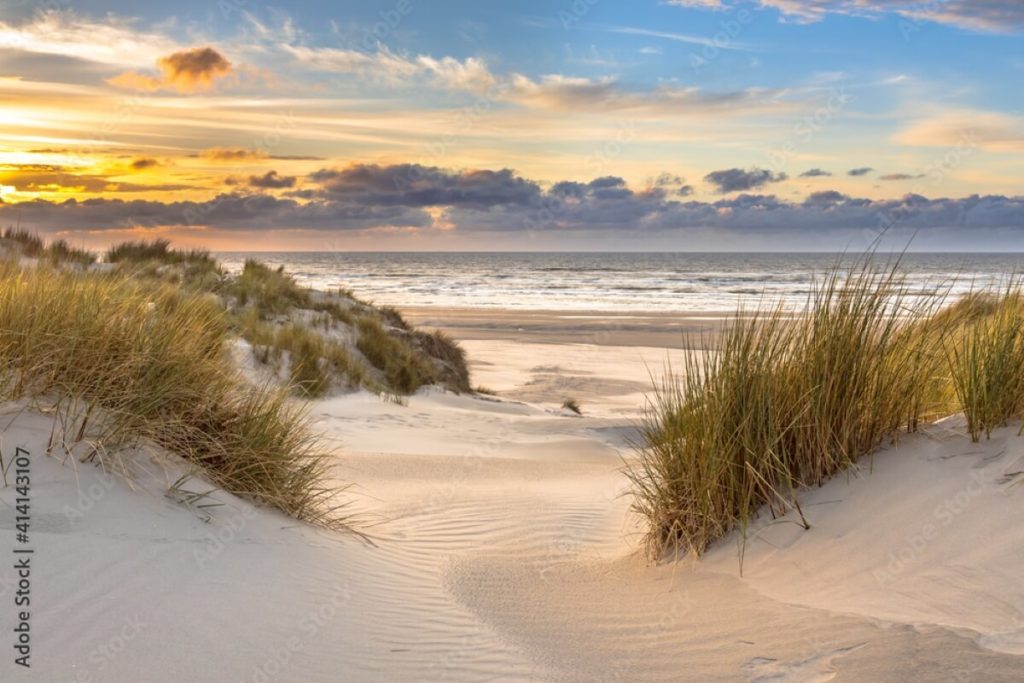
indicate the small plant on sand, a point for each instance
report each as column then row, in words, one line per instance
column 573, row 405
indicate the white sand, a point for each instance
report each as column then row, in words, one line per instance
column 505, row 551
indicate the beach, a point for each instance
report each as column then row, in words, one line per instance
column 654, row 329
column 496, row 543
column 672, row 341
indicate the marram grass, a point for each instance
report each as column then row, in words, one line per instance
column 785, row 401
column 987, row 362
column 131, row 361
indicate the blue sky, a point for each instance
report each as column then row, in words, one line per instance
column 696, row 107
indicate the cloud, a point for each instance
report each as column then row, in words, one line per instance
column 272, row 181
column 384, row 65
column 856, row 172
column 815, row 173
column 195, row 69
column 555, row 92
column 966, row 129
column 983, row 15
column 133, row 80
column 738, row 179
column 705, row 4
column 112, row 41
column 143, row 163
column 900, row 176
column 187, row 71
column 561, row 93
column 420, row 198
column 232, row 154
column 826, row 198
column 45, row 178
column 415, row 185
column 230, row 211
column 471, row 75
column 706, row 41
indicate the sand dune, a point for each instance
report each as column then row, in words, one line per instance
column 503, row 549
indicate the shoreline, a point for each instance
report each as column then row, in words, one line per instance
column 655, row 329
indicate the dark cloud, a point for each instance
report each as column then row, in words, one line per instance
column 668, row 183
column 364, row 197
column 607, row 182
column 226, row 211
column 568, row 188
column 900, row 176
column 668, row 180
column 815, row 173
column 420, row 186
column 826, row 198
column 198, row 65
column 231, row 154
column 144, row 163
column 739, row 180
column 860, row 171
column 272, row 181
column 187, row 71
column 609, row 187
column 43, row 178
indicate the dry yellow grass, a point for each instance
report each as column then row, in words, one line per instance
column 128, row 360
column 783, row 402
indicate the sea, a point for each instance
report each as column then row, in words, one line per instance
column 690, row 282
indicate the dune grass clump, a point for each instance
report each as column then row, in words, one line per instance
column 157, row 250
column 306, row 331
column 194, row 269
column 333, row 312
column 404, row 371
column 270, row 290
column 62, row 252
column 31, row 245
column 57, row 252
column 446, row 351
column 987, row 362
column 314, row 360
column 784, row 402
column 131, row 361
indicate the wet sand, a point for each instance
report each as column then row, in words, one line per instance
column 641, row 328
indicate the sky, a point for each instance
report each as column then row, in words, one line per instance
column 649, row 125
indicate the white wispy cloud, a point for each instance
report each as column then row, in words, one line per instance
column 966, row 129
column 984, row 15
column 114, row 41
column 704, row 41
